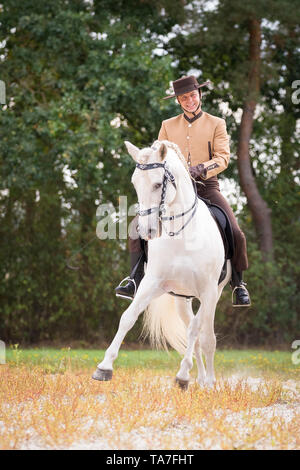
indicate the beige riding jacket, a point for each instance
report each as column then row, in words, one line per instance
column 201, row 140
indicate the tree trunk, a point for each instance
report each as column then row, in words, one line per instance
column 260, row 211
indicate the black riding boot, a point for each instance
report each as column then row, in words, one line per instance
column 128, row 291
column 240, row 295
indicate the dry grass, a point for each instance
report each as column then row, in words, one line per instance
column 142, row 409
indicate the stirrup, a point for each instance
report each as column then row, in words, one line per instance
column 128, row 278
column 241, row 286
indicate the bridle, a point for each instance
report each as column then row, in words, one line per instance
column 161, row 209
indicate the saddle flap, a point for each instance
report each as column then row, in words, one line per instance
column 225, row 229
column 224, row 225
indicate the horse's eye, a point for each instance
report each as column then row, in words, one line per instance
column 156, row 186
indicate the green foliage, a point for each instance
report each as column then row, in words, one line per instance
column 226, row 361
column 217, row 46
column 82, row 77
column 71, row 70
column 273, row 317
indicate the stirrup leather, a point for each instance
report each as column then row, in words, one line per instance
column 241, row 286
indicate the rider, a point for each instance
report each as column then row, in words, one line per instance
column 204, row 142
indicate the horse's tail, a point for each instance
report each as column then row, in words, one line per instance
column 163, row 324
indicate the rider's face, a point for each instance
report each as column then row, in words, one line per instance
column 189, row 101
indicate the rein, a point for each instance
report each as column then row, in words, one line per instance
column 161, row 209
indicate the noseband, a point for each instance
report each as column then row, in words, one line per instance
column 161, row 209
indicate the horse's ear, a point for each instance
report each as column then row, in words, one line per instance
column 132, row 150
column 162, row 151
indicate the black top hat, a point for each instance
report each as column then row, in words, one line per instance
column 185, row 85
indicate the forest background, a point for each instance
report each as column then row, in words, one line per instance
column 80, row 77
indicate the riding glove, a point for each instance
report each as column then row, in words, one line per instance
column 198, row 171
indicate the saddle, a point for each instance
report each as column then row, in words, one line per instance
column 226, row 232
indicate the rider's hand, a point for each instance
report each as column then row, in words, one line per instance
column 197, row 171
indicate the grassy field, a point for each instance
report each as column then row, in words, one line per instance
column 226, row 361
column 48, row 401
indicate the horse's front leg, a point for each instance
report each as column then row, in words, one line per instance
column 147, row 291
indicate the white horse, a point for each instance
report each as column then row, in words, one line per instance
column 185, row 256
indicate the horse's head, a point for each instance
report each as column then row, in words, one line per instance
column 150, row 180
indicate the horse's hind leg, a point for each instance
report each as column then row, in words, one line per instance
column 208, row 343
column 202, row 321
column 186, row 312
column 183, row 376
column 207, row 334
column 201, row 369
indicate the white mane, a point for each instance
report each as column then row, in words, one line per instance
column 177, row 151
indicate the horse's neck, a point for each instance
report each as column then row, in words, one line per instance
column 182, row 204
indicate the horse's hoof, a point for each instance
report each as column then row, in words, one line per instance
column 183, row 384
column 103, row 375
